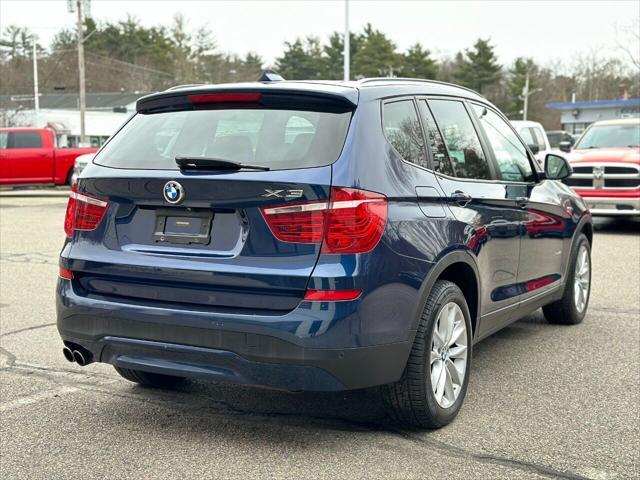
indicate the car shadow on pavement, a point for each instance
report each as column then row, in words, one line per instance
column 618, row 225
column 358, row 410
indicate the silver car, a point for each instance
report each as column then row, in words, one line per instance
column 80, row 163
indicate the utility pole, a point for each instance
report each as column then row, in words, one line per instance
column 36, row 99
column 526, row 93
column 81, row 82
column 347, row 41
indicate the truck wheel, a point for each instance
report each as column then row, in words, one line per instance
column 148, row 379
column 572, row 307
column 434, row 383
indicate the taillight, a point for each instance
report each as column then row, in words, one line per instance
column 65, row 273
column 83, row 212
column 352, row 221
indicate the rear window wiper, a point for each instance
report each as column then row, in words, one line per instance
column 207, row 163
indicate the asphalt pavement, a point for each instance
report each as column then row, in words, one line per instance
column 544, row 401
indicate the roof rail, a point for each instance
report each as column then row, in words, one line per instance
column 419, row 80
column 186, row 85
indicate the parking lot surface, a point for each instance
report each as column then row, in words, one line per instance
column 543, row 400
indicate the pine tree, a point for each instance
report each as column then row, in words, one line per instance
column 479, row 68
column 517, row 80
column 417, row 63
column 334, row 54
column 302, row 60
column 376, row 55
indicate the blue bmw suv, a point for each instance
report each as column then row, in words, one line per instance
column 317, row 236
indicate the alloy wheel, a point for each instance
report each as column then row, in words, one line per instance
column 448, row 354
column 582, row 279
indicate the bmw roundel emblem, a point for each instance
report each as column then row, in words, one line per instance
column 173, row 192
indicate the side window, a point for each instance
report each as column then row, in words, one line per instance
column 25, row 140
column 4, row 136
column 527, row 136
column 441, row 161
column 511, row 154
column 538, row 135
column 403, row 130
column 467, row 158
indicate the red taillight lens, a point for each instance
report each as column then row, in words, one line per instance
column 297, row 223
column 355, row 221
column 331, row 295
column 83, row 212
column 65, row 273
column 351, row 222
column 238, row 97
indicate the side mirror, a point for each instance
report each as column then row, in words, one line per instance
column 535, row 149
column 556, row 167
column 565, row 146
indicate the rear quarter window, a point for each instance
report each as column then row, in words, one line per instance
column 24, row 140
column 403, row 130
column 278, row 139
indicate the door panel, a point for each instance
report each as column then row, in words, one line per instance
column 492, row 221
column 29, row 160
column 542, row 223
column 545, row 234
column 487, row 209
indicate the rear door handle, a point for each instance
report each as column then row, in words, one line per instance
column 522, row 201
column 461, row 198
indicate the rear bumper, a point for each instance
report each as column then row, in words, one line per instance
column 199, row 345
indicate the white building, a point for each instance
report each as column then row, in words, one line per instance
column 105, row 113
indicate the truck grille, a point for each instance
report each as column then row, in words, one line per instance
column 599, row 176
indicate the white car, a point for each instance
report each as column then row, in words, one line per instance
column 79, row 164
column 533, row 135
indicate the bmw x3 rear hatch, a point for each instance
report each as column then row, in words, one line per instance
column 183, row 205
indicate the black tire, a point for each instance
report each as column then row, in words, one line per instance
column 148, row 379
column 565, row 311
column 411, row 401
column 69, row 180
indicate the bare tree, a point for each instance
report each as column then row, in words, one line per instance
column 628, row 41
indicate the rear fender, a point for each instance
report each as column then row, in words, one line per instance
column 457, row 256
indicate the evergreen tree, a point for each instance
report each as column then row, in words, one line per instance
column 417, row 63
column 334, row 54
column 375, row 56
column 302, row 60
column 517, row 80
column 479, row 68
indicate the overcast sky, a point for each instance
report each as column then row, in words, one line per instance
column 545, row 30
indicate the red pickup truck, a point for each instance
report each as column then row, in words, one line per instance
column 30, row 156
column 606, row 167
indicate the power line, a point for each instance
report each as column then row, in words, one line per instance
column 132, row 65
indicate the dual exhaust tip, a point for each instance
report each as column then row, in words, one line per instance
column 79, row 355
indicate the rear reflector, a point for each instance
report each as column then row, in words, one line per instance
column 224, row 97
column 331, row 295
column 83, row 212
column 65, row 273
column 352, row 221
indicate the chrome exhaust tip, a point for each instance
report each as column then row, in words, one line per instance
column 82, row 358
column 68, row 354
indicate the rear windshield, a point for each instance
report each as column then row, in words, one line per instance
column 278, row 139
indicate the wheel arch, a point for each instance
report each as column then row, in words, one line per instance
column 587, row 229
column 460, row 268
